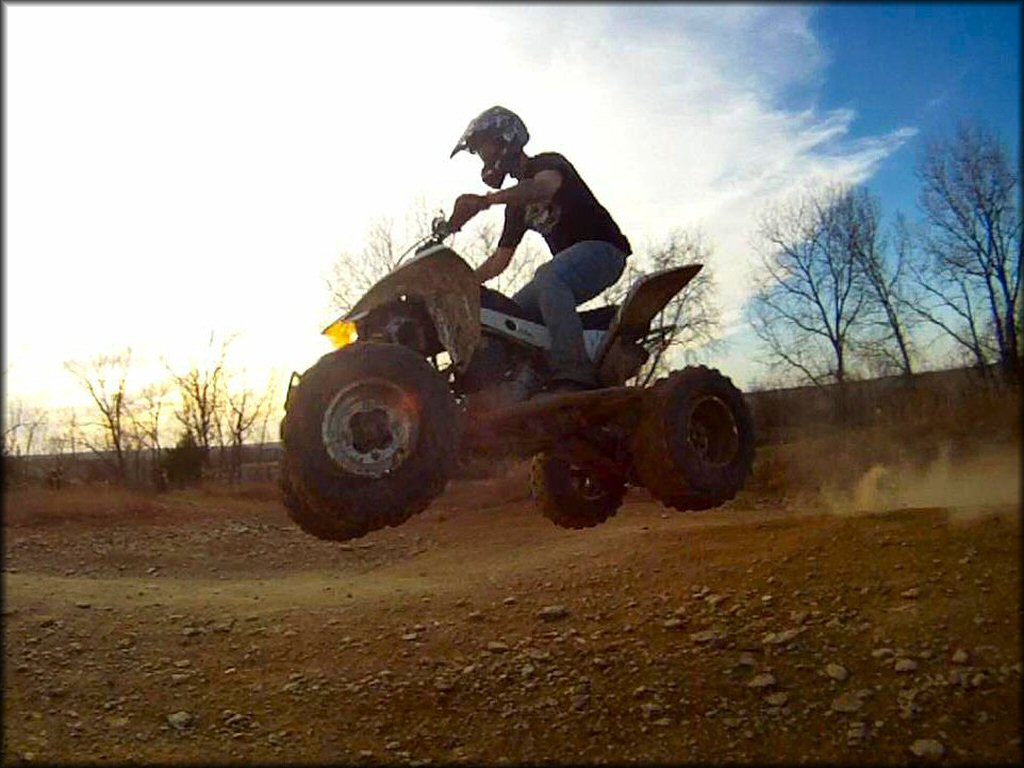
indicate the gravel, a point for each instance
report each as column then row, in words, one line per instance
column 764, row 680
column 837, row 672
column 659, row 661
column 927, row 748
column 552, row 612
column 847, row 702
column 181, row 720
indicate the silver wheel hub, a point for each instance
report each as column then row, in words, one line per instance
column 370, row 428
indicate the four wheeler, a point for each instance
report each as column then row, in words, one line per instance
column 430, row 368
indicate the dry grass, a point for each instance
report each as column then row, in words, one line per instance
column 27, row 507
column 106, row 505
column 252, row 490
column 959, row 405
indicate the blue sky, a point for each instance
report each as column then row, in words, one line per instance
column 154, row 147
column 924, row 65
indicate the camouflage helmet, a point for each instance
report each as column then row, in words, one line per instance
column 507, row 128
column 497, row 122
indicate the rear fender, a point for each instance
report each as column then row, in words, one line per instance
column 645, row 300
column 449, row 290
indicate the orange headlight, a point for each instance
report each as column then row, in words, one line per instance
column 341, row 333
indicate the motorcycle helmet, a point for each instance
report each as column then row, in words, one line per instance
column 507, row 129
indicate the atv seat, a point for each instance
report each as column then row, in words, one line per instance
column 598, row 319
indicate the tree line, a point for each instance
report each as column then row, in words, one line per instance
column 191, row 423
column 839, row 295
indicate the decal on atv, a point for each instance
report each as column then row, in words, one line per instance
column 533, row 334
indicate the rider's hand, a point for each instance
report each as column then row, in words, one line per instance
column 466, row 207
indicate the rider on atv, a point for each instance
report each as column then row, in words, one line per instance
column 589, row 251
column 430, row 368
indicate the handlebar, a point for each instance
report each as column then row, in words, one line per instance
column 440, row 228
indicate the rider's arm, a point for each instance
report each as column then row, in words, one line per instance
column 495, row 264
column 539, row 189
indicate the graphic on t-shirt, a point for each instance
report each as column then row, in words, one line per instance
column 572, row 216
column 542, row 218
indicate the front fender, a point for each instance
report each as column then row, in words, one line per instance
column 449, row 290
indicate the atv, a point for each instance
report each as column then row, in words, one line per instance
column 431, row 368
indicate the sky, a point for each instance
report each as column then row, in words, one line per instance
column 173, row 171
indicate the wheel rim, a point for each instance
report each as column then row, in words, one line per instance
column 712, row 431
column 370, row 428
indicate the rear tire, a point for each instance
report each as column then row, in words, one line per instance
column 572, row 497
column 370, row 436
column 694, row 447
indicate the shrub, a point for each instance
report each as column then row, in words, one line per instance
column 184, row 462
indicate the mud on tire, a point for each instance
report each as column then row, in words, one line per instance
column 571, row 497
column 370, row 435
column 694, row 446
column 308, row 514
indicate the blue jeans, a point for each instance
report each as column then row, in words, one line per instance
column 575, row 275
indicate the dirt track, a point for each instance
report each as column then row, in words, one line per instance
column 702, row 637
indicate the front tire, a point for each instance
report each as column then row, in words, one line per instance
column 694, row 446
column 571, row 496
column 370, row 436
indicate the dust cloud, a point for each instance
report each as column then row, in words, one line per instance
column 990, row 478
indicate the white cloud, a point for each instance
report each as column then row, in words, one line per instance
column 177, row 169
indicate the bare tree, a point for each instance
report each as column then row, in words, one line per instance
column 887, row 341
column 968, row 271
column 386, row 245
column 35, row 428
column 274, row 408
column 25, row 428
column 810, row 291
column 62, row 444
column 56, row 448
column 11, row 446
column 244, row 410
column 147, row 418
column 692, row 319
column 151, row 405
column 74, row 433
column 354, row 274
column 201, row 389
column 105, row 378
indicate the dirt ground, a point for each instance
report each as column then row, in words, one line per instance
column 880, row 624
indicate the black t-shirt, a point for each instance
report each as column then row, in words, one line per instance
column 571, row 216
